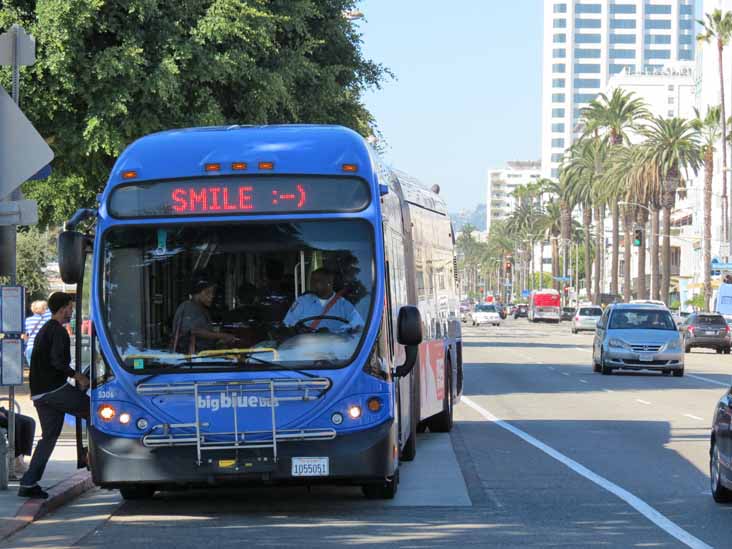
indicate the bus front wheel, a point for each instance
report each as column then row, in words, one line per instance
column 382, row 490
column 137, row 491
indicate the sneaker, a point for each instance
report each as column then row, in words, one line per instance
column 19, row 466
column 32, row 492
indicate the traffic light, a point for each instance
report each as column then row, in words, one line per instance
column 508, row 265
column 637, row 237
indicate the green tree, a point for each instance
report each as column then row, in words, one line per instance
column 672, row 144
column 615, row 117
column 31, row 261
column 718, row 27
column 110, row 71
column 709, row 131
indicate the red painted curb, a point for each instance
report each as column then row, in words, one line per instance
column 58, row 495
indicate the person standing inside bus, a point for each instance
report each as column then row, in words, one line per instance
column 323, row 301
column 33, row 324
column 52, row 396
column 192, row 331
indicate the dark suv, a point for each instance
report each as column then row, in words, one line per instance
column 708, row 330
column 522, row 310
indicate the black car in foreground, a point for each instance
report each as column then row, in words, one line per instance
column 567, row 313
column 720, row 451
column 522, row 311
column 708, row 330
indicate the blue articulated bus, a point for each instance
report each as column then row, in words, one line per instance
column 268, row 304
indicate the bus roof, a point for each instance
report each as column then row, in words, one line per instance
column 300, row 149
column 416, row 193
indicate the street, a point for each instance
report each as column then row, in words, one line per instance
column 581, row 460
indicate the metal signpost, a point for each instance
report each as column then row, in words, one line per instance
column 23, row 155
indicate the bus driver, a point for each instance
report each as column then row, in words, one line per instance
column 322, row 301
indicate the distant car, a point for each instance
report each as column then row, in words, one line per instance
column 707, row 330
column 567, row 313
column 522, row 311
column 501, row 310
column 465, row 312
column 720, row 451
column 485, row 314
column 586, row 318
column 637, row 337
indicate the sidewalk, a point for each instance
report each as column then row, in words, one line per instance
column 62, row 479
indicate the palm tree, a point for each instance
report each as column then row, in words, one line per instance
column 672, row 145
column 551, row 226
column 562, row 190
column 644, row 191
column 582, row 169
column 718, row 26
column 615, row 116
column 709, row 131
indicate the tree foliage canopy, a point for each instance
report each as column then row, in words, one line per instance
column 110, row 71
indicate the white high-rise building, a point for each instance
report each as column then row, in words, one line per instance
column 502, row 183
column 586, row 42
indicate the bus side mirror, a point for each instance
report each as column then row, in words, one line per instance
column 409, row 326
column 71, row 256
column 409, row 334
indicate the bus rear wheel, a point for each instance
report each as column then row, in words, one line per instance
column 409, row 452
column 137, row 491
column 442, row 422
column 382, row 490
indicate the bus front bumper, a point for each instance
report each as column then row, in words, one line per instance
column 364, row 456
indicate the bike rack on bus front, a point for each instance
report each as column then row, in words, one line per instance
column 279, row 390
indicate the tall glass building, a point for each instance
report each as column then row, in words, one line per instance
column 588, row 41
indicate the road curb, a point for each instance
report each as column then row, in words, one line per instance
column 58, row 495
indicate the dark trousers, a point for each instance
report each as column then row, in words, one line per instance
column 25, row 430
column 51, row 410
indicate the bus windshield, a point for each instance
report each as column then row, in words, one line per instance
column 239, row 296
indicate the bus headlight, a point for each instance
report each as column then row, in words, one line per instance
column 124, row 418
column 354, row 412
column 106, row 412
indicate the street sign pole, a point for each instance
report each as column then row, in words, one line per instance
column 8, row 246
column 21, row 51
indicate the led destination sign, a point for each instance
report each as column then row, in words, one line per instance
column 239, row 195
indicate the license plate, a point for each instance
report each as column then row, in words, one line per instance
column 310, row 467
column 646, row 358
column 710, row 333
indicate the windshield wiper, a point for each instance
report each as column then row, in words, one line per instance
column 277, row 365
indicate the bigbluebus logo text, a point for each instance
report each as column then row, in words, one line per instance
column 234, row 400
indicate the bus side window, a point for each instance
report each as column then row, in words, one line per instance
column 388, row 308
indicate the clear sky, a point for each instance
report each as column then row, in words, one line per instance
column 467, row 93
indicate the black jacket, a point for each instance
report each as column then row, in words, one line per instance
column 51, row 359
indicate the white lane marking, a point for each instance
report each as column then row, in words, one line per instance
column 714, row 381
column 634, row 501
column 565, row 374
column 539, row 362
column 642, row 401
column 583, row 350
column 692, row 416
column 583, row 381
column 608, row 390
